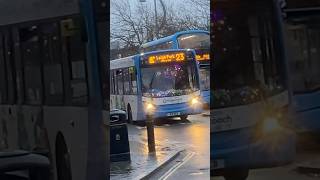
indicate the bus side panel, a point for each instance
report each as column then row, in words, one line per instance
column 28, row 125
column 72, row 122
column 132, row 100
column 307, row 107
column 8, row 127
column 140, row 112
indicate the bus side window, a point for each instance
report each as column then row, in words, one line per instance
column 111, row 82
column 126, row 81
column 164, row 46
column 115, row 81
column 31, row 62
column 3, row 73
column 76, row 57
column 52, row 66
column 119, row 78
column 133, row 80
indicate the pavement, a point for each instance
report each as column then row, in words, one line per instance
column 143, row 164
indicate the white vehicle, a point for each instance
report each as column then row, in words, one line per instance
column 164, row 82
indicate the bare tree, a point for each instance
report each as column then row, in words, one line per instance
column 133, row 23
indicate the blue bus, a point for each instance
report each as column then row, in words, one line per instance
column 198, row 40
column 303, row 43
column 249, row 122
column 164, row 83
column 54, row 87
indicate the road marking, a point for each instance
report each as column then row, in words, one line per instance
column 177, row 166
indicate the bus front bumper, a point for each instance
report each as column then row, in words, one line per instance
column 176, row 110
column 268, row 151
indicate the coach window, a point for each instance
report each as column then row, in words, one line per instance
column 126, row 81
column 3, row 73
column 31, row 59
column 52, row 67
column 133, row 80
column 119, row 78
column 76, row 54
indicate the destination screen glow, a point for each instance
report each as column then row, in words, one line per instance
column 166, row 58
column 203, row 57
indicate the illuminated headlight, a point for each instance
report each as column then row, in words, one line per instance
column 149, row 108
column 195, row 101
column 271, row 124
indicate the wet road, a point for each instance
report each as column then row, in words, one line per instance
column 191, row 138
column 194, row 137
column 308, row 155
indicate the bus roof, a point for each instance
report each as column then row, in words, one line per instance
column 166, row 50
column 129, row 61
column 17, row 11
column 169, row 38
column 122, row 62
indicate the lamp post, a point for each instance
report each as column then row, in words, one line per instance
column 156, row 17
column 150, row 134
column 150, row 109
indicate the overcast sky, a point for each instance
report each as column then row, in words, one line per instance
column 172, row 3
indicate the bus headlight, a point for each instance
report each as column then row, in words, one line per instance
column 271, row 124
column 195, row 101
column 149, row 108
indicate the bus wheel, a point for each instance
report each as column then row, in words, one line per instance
column 129, row 120
column 184, row 117
column 62, row 159
column 237, row 174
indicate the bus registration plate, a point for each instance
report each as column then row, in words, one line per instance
column 218, row 164
column 174, row 114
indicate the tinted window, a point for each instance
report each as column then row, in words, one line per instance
column 3, row 72
column 133, row 80
column 114, row 74
column 76, row 54
column 52, row 67
column 304, row 43
column 119, row 79
column 111, row 82
column 126, row 81
column 30, row 54
column 248, row 60
column 194, row 41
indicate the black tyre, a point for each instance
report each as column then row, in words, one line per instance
column 184, row 117
column 129, row 119
column 62, row 159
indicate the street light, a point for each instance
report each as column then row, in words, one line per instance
column 156, row 17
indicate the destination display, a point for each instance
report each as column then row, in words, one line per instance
column 165, row 58
column 203, row 57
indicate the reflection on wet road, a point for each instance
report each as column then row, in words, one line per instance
column 172, row 136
